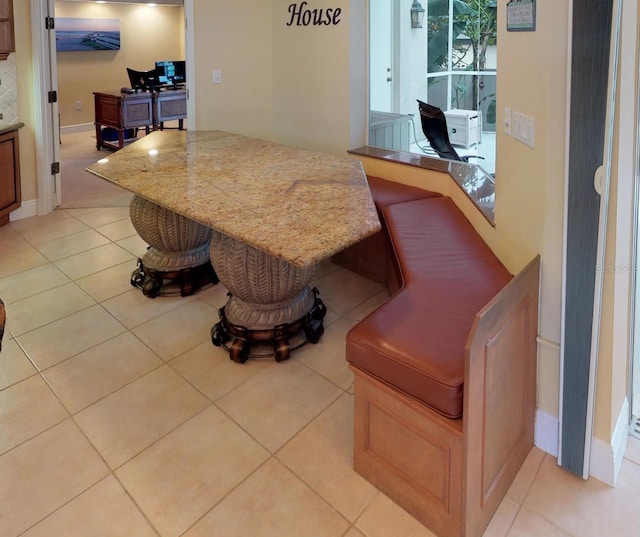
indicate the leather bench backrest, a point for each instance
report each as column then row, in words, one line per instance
column 387, row 193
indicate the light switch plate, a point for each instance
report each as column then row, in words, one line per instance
column 507, row 121
column 523, row 129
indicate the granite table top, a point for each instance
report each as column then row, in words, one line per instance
column 298, row 205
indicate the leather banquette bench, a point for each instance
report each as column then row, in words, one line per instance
column 445, row 369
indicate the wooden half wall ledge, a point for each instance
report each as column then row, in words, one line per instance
column 460, row 324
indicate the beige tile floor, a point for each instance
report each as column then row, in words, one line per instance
column 118, row 417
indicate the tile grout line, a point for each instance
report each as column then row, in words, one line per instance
column 272, row 455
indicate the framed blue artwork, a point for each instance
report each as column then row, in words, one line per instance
column 87, row 34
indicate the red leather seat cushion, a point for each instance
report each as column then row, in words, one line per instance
column 416, row 340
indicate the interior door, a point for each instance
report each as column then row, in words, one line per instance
column 380, row 55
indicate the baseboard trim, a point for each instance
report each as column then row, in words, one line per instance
column 27, row 209
column 606, row 458
column 547, row 433
column 80, row 127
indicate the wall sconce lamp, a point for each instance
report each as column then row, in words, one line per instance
column 417, row 14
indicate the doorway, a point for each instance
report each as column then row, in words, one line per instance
column 101, row 71
column 381, row 56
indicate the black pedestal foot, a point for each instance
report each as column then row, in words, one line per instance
column 219, row 335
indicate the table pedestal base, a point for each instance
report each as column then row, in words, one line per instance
column 187, row 281
column 270, row 300
column 178, row 251
column 239, row 339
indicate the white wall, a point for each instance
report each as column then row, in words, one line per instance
column 287, row 83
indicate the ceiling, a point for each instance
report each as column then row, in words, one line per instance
column 159, row 2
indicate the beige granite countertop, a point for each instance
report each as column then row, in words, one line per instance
column 298, row 205
column 9, row 127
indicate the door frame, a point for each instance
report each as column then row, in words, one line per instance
column 190, row 57
column 47, row 123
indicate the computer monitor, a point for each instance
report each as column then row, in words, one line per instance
column 171, row 72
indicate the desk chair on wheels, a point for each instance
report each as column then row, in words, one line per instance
column 142, row 81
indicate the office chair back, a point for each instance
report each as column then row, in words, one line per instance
column 434, row 126
column 142, row 80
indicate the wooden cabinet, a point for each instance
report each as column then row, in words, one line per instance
column 7, row 37
column 10, row 193
column 169, row 105
column 125, row 111
column 121, row 111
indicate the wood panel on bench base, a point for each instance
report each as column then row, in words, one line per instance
column 452, row 474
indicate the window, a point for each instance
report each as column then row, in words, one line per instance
column 450, row 63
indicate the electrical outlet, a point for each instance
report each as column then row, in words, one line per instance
column 217, row 76
column 78, row 105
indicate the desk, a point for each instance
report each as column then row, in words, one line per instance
column 272, row 212
column 169, row 105
column 121, row 111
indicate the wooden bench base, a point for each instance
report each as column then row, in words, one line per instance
column 450, row 474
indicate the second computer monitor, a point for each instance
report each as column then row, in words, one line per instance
column 171, row 72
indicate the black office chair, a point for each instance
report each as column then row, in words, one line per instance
column 142, row 80
column 434, row 126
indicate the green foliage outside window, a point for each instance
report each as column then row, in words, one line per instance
column 474, row 30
